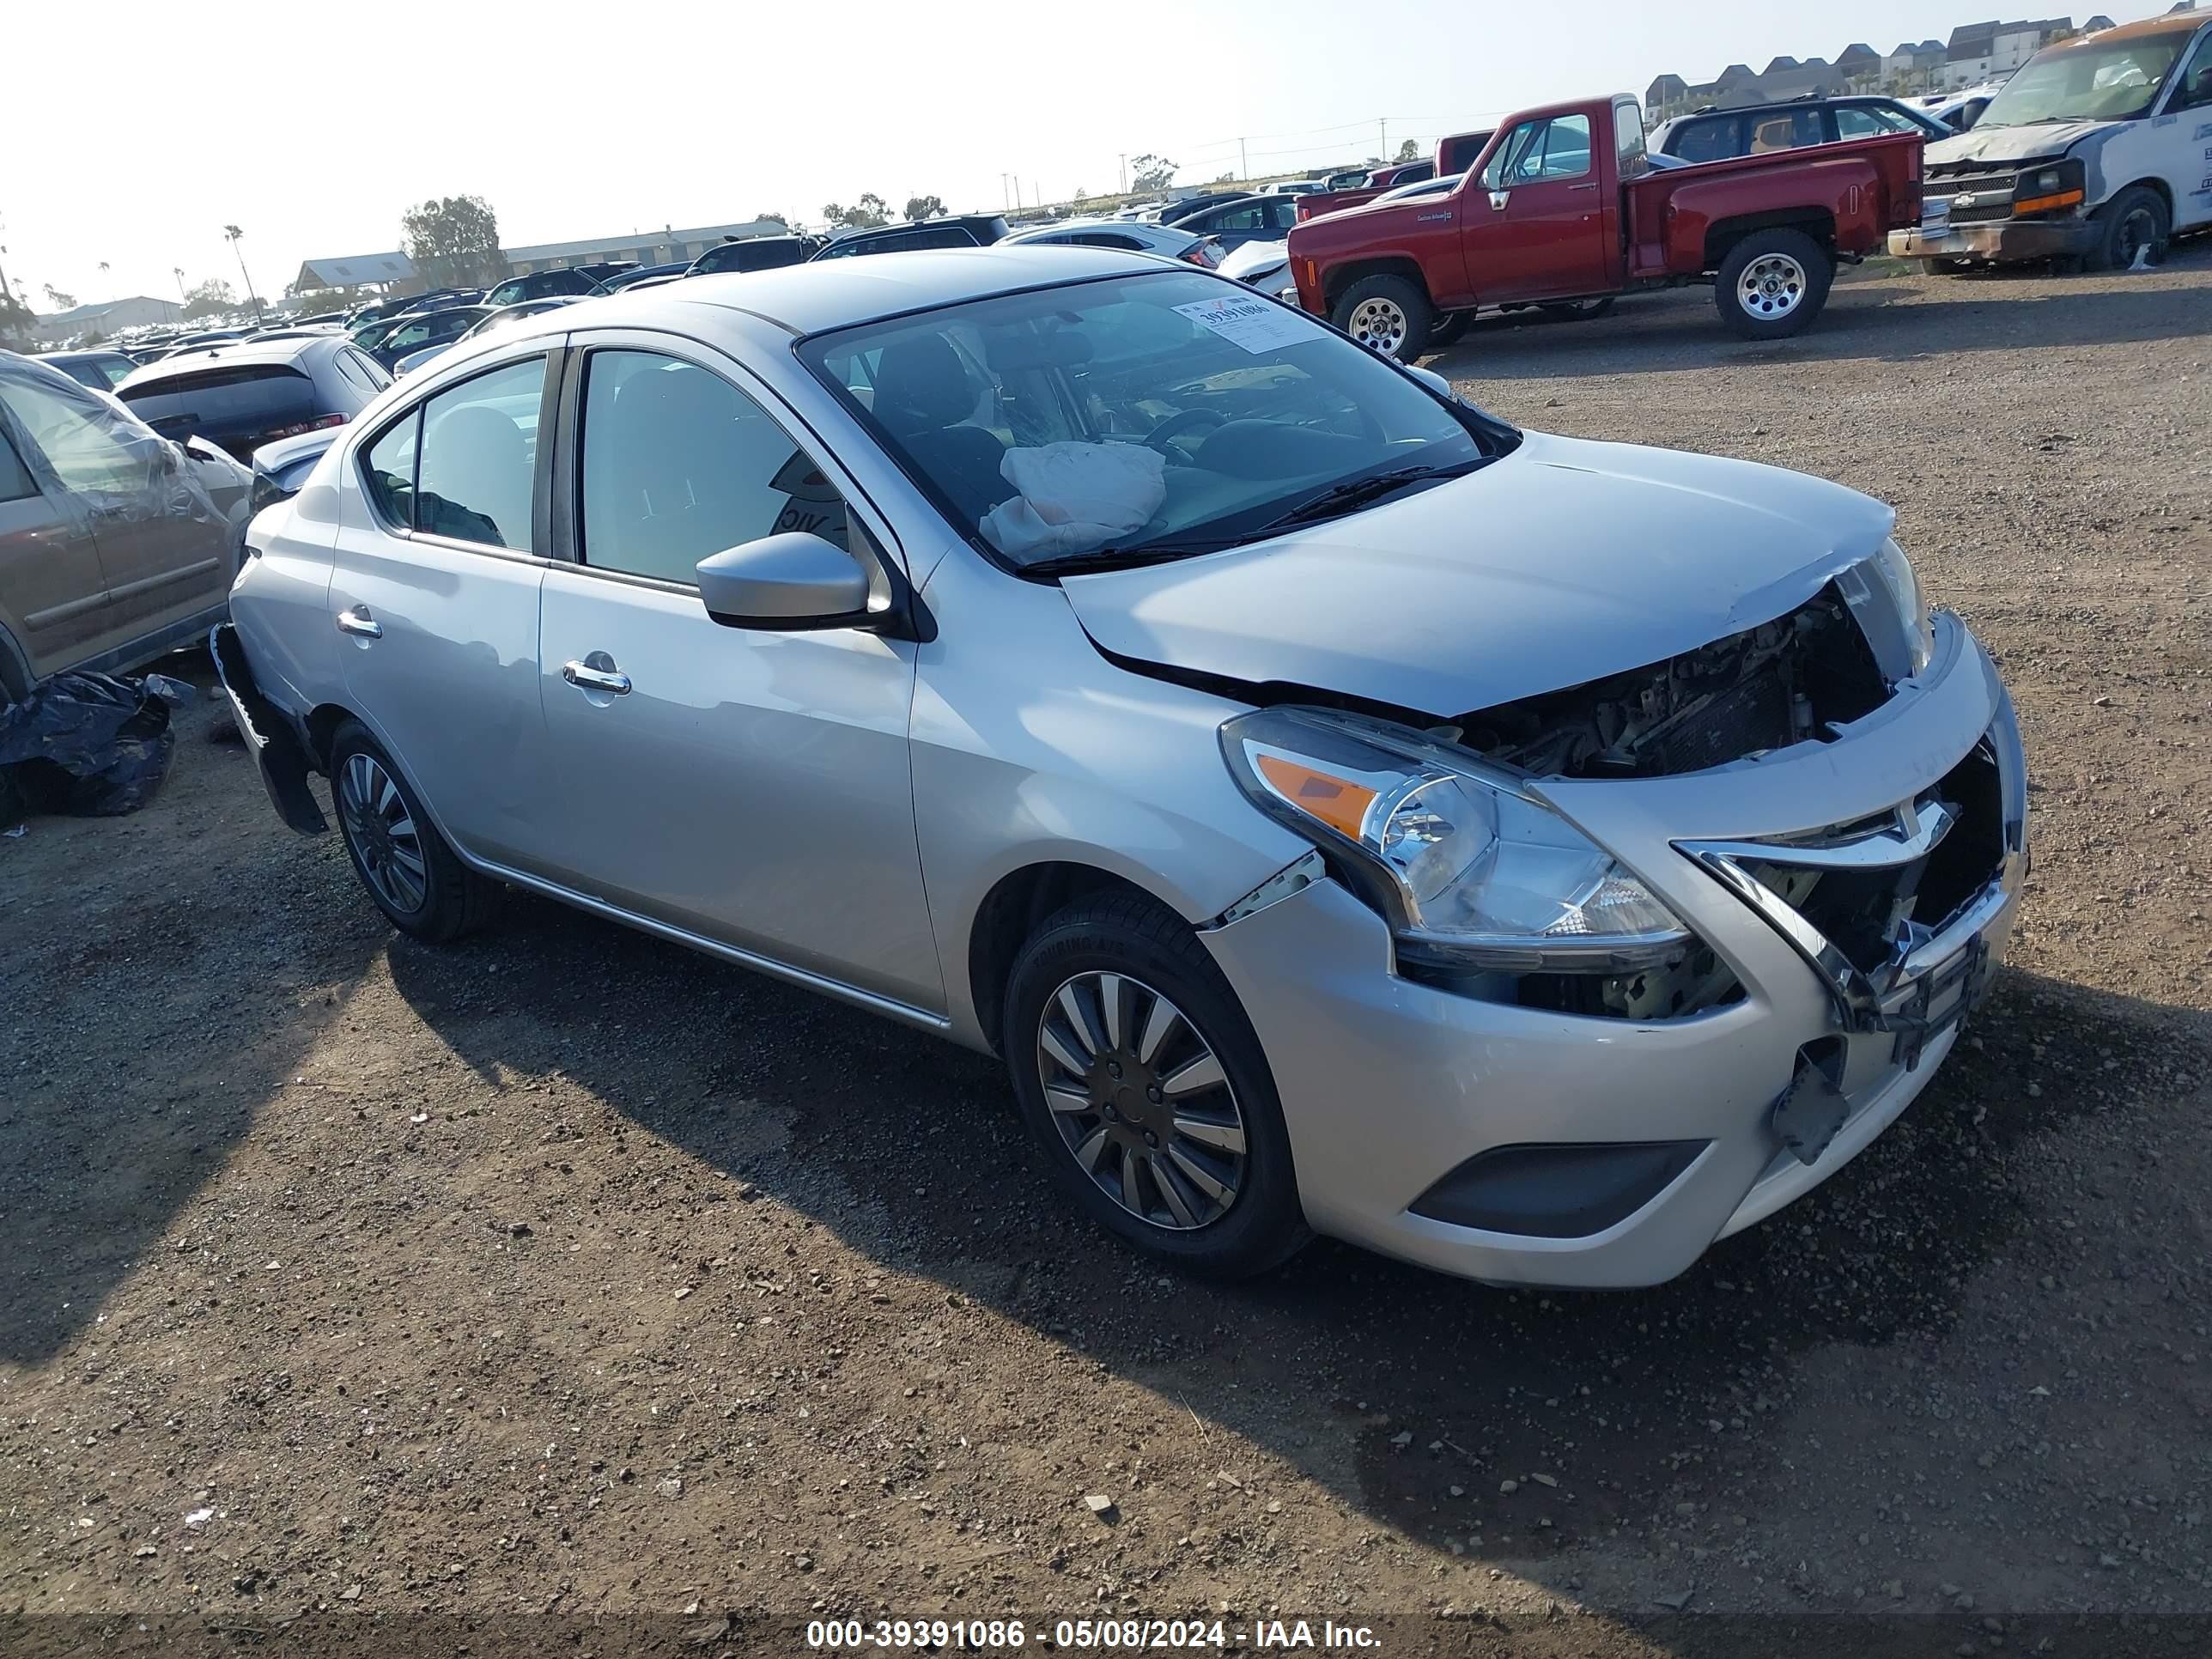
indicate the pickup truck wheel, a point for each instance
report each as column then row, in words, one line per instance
column 411, row 874
column 1772, row 284
column 1387, row 313
column 1945, row 267
column 2134, row 220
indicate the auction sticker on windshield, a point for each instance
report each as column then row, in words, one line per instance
column 1256, row 325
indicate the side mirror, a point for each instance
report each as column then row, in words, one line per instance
column 1434, row 381
column 792, row 580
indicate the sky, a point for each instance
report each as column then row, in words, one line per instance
column 314, row 128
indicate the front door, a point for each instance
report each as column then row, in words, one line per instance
column 749, row 786
column 54, row 594
column 434, row 590
column 1533, row 224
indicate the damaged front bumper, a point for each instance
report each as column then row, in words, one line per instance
column 1999, row 242
column 1520, row 1144
column 277, row 747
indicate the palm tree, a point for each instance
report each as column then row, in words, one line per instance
column 178, row 271
column 231, row 233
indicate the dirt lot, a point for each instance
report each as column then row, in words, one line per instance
column 566, row 1271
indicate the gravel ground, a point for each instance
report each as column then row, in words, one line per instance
column 564, row 1271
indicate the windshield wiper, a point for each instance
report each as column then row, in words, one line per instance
column 1355, row 493
column 1126, row 558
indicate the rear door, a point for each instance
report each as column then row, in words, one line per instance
column 434, row 590
column 54, row 594
column 165, row 553
column 1534, row 223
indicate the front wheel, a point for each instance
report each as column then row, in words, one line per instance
column 2135, row 225
column 1772, row 284
column 1389, row 314
column 1145, row 1084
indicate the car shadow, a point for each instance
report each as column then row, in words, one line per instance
column 1876, row 316
column 113, row 970
column 1400, row 1391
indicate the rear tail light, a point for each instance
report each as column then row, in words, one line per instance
column 1305, row 210
column 1205, row 254
column 317, row 425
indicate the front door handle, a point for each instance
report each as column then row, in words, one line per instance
column 1591, row 185
column 356, row 619
column 596, row 673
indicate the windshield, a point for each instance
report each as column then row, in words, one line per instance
column 1157, row 414
column 2089, row 82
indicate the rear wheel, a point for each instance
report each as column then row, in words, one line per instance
column 1772, row 284
column 1389, row 314
column 1145, row 1084
column 1945, row 267
column 2133, row 222
column 411, row 873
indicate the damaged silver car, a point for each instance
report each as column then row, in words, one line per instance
column 1343, row 810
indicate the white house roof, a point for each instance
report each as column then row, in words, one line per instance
column 394, row 267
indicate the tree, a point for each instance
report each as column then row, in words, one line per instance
column 1228, row 178
column 1152, row 172
column 57, row 300
column 870, row 211
column 209, row 299
column 455, row 241
column 772, row 219
column 924, row 207
column 18, row 327
column 1409, row 151
column 1081, row 194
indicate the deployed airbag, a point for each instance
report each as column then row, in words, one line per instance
column 1075, row 497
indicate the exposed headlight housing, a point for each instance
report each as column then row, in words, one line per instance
column 1896, row 574
column 2054, row 189
column 1467, row 866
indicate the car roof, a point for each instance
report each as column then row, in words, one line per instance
column 2172, row 22
column 224, row 353
column 831, row 294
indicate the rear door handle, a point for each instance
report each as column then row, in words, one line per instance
column 356, row 619
column 601, row 676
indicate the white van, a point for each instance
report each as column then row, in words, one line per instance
column 2098, row 149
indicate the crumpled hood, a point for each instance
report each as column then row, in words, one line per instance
column 1564, row 562
column 1998, row 145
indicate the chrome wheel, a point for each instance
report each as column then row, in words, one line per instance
column 1378, row 323
column 1141, row 1101
column 1772, row 286
column 382, row 833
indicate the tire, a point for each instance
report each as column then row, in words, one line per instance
column 1447, row 329
column 1944, row 267
column 1772, row 284
column 1115, row 1111
column 397, row 852
column 1387, row 314
column 1577, row 311
column 2135, row 217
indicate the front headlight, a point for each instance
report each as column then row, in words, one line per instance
column 1466, row 866
column 1896, row 573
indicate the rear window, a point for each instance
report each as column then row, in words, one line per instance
column 233, row 398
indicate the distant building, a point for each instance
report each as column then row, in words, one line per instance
column 1978, row 52
column 1912, row 68
column 358, row 274
column 106, row 320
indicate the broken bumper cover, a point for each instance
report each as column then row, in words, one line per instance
column 1999, row 241
column 1518, row 1145
column 277, row 748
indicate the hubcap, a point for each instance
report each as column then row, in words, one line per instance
column 1141, row 1101
column 1377, row 323
column 1773, row 285
column 382, row 833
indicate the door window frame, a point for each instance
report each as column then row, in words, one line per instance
column 552, row 352
column 885, row 552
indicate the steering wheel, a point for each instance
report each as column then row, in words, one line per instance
column 1176, row 425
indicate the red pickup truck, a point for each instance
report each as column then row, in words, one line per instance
column 1563, row 210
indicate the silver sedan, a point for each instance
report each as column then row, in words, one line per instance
column 1343, row 810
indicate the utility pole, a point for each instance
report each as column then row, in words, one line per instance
column 1243, row 161
column 1124, row 173
column 1383, row 126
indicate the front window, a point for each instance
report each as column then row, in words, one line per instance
column 1138, row 418
column 2117, row 81
column 1538, row 150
